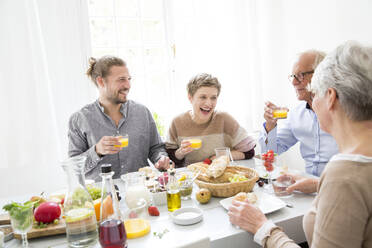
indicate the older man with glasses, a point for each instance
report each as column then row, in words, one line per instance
column 316, row 146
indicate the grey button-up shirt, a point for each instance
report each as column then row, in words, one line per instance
column 90, row 124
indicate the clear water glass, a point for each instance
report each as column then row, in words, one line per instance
column 21, row 221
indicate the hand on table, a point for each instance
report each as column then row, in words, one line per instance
column 107, row 145
column 184, row 149
column 304, row 184
column 246, row 216
column 163, row 163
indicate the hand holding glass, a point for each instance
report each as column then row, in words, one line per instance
column 195, row 143
column 123, row 139
column 280, row 113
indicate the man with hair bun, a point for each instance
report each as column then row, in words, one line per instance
column 92, row 129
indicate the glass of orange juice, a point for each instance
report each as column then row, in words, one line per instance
column 280, row 113
column 123, row 139
column 195, row 143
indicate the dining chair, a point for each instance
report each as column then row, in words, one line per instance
column 199, row 243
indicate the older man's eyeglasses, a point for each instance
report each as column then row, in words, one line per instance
column 299, row 76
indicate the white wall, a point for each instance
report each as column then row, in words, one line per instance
column 298, row 25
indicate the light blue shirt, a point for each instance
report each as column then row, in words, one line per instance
column 301, row 125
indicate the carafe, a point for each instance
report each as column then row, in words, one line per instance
column 81, row 224
column 111, row 227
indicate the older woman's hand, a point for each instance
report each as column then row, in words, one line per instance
column 246, row 216
column 304, row 184
column 184, row 149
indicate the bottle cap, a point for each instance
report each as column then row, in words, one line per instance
column 106, row 168
column 172, row 171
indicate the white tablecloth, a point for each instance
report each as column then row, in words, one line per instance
column 215, row 225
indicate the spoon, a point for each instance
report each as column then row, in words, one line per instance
column 197, row 174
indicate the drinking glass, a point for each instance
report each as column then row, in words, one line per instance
column 195, row 143
column 123, row 139
column 280, row 113
column 185, row 179
column 22, row 219
column 224, row 151
column 281, row 184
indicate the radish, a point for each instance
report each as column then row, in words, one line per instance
column 47, row 212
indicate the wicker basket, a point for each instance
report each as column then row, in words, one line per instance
column 231, row 189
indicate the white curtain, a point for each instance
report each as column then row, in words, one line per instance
column 248, row 44
column 44, row 50
column 234, row 41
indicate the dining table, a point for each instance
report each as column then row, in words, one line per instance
column 215, row 224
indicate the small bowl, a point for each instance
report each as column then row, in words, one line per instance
column 281, row 184
column 187, row 216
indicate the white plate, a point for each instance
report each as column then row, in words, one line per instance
column 266, row 203
column 187, row 216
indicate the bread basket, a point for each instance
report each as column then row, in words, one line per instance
column 231, row 189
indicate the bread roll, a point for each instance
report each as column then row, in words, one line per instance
column 218, row 166
column 242, row 196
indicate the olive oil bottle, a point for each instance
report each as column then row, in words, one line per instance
column 173, row 191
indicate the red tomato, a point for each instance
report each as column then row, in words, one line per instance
column 267, row 163
column 207, row 161
column 47, row 212
column 270, row 168
column 271, row 151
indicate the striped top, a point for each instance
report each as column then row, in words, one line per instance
column 221, row 131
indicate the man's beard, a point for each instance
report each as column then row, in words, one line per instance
column 117, row 100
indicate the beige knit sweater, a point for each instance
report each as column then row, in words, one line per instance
column 221, row 131
column 341, row 215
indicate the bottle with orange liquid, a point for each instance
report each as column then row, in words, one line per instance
column 111, row 227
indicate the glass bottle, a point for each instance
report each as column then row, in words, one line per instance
column 81, row 224
column 173, row 191
column 111, row 227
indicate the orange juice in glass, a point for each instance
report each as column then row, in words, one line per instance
column 195, row 143
column 123, row 139
column 280, row 113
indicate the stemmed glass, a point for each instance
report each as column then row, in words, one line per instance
column 269, row 187
column 269, row 162
column 21, row 218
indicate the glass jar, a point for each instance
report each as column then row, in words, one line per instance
column 136, row 193
column 81, row 224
